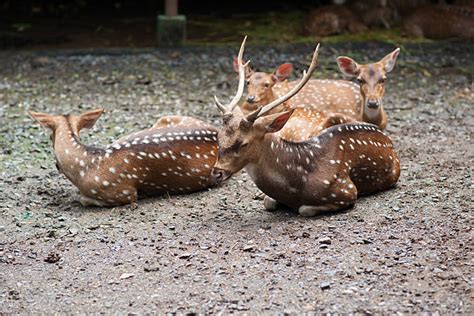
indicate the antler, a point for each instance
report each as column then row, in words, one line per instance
column 306, row 76
column 240, row 90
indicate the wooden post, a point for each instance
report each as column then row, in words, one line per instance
column 171, row 27
column 171, row 7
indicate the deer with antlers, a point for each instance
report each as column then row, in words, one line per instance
column 328, row 102
column 175, row 155
column 324, row 173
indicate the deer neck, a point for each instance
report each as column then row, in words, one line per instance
column 73, row 158
column 374, row 116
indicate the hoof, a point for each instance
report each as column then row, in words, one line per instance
column 269, row 203
column 310, row 211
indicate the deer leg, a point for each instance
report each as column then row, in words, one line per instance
column 270, row 204
column 87, row 201
column 309, row 211
column 342, row 195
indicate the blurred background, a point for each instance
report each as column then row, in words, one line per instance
column 50, row 24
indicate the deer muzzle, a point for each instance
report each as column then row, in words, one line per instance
column 219, row 175
column 373, row 104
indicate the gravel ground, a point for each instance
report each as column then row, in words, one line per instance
column 406, row 250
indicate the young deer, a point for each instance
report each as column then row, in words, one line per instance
column 371, row 78
column 176, row 155
column 325, row 173
column 306, row 122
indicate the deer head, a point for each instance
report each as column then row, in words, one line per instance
column 371, row 78
column 63, row 122
column 241, row 135
column 260, row 84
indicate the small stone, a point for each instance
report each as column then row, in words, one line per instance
column 248, row 248
column 325, row 286
column 325, row 241
column 185, row 255
column 151, row 268
column 126, row 276
column 52, row 257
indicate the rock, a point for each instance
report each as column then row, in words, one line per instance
column 185, row 255
column 248, row 248
column 325, row 285
column 151, row 268
column 126, row 276
column 52, row 257
column 324, row 240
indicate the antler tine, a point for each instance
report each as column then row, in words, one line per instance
column 306, row 76
column 240, row 90
column 219, row 105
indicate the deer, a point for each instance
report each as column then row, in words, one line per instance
column 306, row 121
column 176, row 155
column 323, row 174
column 441, row 21
column 371, row 79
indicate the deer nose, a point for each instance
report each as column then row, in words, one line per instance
column 218, row 175
column 372, row 104
column 251, row 98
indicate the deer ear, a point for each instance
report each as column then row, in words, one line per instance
column 88, row 119
column 283, row 72
column 390, row 60
column 44, row 119
column 348, row 66
column 273, row 123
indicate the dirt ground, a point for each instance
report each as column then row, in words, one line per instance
column 406, row 250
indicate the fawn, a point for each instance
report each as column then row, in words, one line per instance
column 175, row 155
column 324, row 173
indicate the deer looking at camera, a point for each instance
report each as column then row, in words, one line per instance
column 325, row 173
column 371, row 79
column 176, row 156
column 306, row 122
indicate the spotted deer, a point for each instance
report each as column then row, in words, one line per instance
column 324, row 173
column 175, row 155
column 263, row 88
column 371, row 79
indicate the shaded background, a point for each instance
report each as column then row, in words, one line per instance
column 41, row 24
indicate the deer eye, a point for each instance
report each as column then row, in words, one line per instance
column 360, row 80
column 382, row 80
column 248, row 82
column 266, row 84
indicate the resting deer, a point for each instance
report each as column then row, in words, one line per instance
column 346, row 100
column 325, row 173
column 306, row 122
column 371, row 78
column 176, row 155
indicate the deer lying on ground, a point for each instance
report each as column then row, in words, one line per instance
column 327, row 102
column 371, row 78
column 306, row 122
column 440, row 22
column 176, row 156
column 325, row 173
